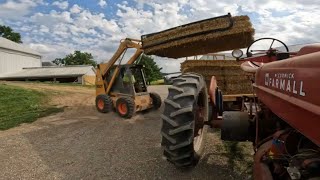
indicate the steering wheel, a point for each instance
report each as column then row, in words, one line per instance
column 269, row 51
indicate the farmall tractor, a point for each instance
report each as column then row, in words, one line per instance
column 281, row 119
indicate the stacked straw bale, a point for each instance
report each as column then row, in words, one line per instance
column 166, row 44
column 230, row 77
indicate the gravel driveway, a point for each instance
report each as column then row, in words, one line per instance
column 81, row 143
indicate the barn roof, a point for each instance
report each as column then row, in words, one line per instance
column 7, row 44
column 49, row 72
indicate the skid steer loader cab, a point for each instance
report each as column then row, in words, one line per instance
column 130, row 81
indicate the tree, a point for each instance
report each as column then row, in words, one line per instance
column 151, row 69
column 77, row 58
column 8, row 33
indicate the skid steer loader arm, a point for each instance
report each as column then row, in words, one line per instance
column 103, row 86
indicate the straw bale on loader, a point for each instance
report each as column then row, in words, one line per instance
column 210, row 35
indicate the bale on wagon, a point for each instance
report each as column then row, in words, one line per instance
column 230, row 77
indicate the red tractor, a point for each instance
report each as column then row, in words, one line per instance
column 282, row 119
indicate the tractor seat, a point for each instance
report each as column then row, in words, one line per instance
column 250, row 66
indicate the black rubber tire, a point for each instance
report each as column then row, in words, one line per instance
column 219, row 105
column 130, row 107
column 178, row 120
column 210, row 111
column 156, row 100
column 107, row 103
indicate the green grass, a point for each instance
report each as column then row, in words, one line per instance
column 238, row 154
column 158, row 82
column 18, row 105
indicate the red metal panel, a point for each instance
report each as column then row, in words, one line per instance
column 212, row 89
column 290, row 88
column 309, row 49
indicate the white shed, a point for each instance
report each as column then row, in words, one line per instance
column 14, row 57
column 82, row 74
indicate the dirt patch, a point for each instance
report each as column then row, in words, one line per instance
column 62, row 95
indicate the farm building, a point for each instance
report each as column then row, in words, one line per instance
column 20, row 63
column 76, row 74
column 14, row 57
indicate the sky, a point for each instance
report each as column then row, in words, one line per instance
column 57, row 28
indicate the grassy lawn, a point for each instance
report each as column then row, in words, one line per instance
column 18, row 105
column 158, row 82
column 239, row 154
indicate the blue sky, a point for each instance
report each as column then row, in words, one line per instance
column 56, row 28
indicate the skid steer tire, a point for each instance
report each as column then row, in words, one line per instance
column 125, row 107
column 104, row 103
column 182, row 143
column 156, row 100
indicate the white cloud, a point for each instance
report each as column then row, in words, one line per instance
column 41, row 48
column 17, row 9
column 44, row 29
column 102, row 3
column 297, row 24
column 135, row 22
column 75, row 9
column 62, row 5
column 52, row 18
column 56, row 34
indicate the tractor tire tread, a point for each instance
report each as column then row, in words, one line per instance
column 168, row 120
column 181, row 111
column 172, row 103
column 178, row 121
column 182, row 95
column 176, row 89
column 181, row 145
column 172, row 140
column 186, row 127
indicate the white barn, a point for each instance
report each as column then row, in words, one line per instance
column 14, row 57
column 20, row 63
column 82, row 74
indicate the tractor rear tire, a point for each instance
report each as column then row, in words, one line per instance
column 104, row 103
column 185, row 112
column 125, row 107
column 156, row 100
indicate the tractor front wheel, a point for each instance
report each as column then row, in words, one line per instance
column 185, row 113
column 125, row 107
column 103, row 103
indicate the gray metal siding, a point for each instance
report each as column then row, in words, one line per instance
column 10, row 45
column 12, row 61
